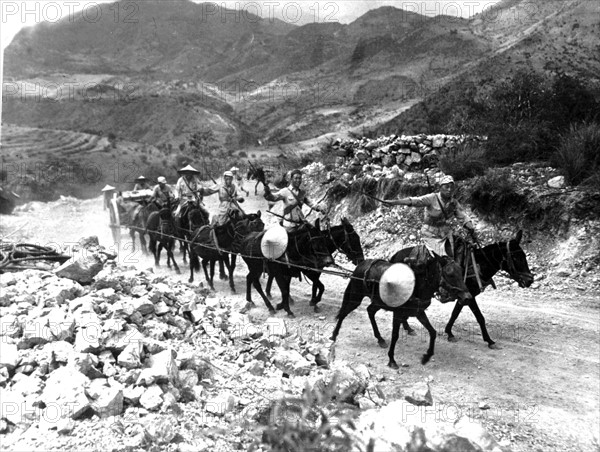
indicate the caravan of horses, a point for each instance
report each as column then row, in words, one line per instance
column 404, row 284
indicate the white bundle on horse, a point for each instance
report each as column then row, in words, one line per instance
column 396, row 285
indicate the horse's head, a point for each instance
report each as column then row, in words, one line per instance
column 255, row 223
column 250, row 223
column 514, row 261
column 347, row 241
column 196, row 219
column 165, row 214
column 451, row 279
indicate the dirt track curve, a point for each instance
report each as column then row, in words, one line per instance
column 542, row 385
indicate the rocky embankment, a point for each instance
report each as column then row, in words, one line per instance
column 136, row 361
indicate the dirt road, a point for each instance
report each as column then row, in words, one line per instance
column 539, row 392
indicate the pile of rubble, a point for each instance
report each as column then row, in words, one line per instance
column 135, row 359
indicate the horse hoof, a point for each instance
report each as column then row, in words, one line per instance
column 452, row 339
column 382, row 343
column 233, row 290
column 494, row 346
column 279, row 307
column 272, row 311
column 291, row 315
column 425, row 359
column 269, row 296
column 393, row 365
column 411, row 332
column 178, row 271
column 223, row 277
column 317, row 309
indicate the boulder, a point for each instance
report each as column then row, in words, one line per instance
column 151, row 399
column 221, row 404
column 132, row 394
column 557, row 182
column 291, row 362
column 161, row 369
column 65, row 391
column 9, row 355
column 420, row 394
column 130, row 357
column 60, row 352
column 82, row 269
column 110, row 403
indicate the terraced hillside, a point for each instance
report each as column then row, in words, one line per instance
column 45, row 163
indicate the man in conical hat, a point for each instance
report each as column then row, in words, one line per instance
column 293, row 198
column 190, row 191
column 141, row 183
column 108, row 192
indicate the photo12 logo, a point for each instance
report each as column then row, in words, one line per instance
column 35, row 12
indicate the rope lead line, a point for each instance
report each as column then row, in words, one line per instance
column 346, row 274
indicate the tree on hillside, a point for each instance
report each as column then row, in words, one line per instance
column 202, row 143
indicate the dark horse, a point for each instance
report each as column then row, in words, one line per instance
column 342, row 238
column 258, row 173
column 136, row 217
column 228, row 236
column 306, row 247
column 439, row 271
column 161, row 228
column 507, row 256
column 184, row 225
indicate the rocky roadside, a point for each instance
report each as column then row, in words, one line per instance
column 136, row 361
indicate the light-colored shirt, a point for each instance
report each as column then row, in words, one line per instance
column 189, row 189
column 436, row 223
column 163, row 194
column 293, row 199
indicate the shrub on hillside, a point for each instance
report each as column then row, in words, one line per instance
column 464, row 161
column 494, row 195
column 578, row 154
column 319, row 420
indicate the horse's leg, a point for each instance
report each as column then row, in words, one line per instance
column 353, row 297
column 193, row 263
column 455, row 313
column 222, row 264
column 184, row 249
column 372, row 310
column 283, row 281
column 157, row 254
column 396, row 322
column 171, row 255
column 143, row 242
column 317, row 288
column 269, row 285
column 422, row 317
column 206, row 275
column 132, row 235
column 410, row 331
column 256, row 188
column 253, row 279
column 230, row 267
column 481, row 320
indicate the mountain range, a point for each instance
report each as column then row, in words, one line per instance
column 168, row 68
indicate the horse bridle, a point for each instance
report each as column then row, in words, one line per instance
column 510, row 264
column 345, row 241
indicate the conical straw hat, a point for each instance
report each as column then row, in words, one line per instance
column 396, row 285
column 188, row 169
column 274, row 242
column 108, row 188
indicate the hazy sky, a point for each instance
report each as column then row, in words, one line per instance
column 18, row 13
